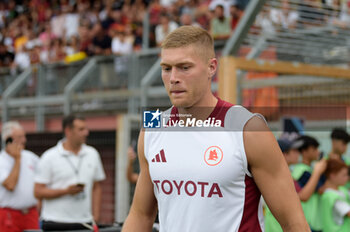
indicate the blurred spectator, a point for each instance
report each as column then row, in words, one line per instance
column 71, row 23
column 3, row 14
column 225, row 6
column 340, row 139
column 72, row 46
column 155, row 10
column 186, row 20
column 138, row 40
column 164, row 28
column 6, row 57
column 302, row 173
column 131, row 175
column 189, row 7
column 68, row 179
column 121, row 47
column 129, row 36
column 284, row 17
column 344, row 18
column 22, row 59
column 101, row 43
column 235, row 13
column 203, row 15
column 57, row 52
column 46, row 35
column 263, row 20
column 220, row 26
column 335, row 203
column 58, row 23
column 85, row 37
column 21, row 40
column 18, row 206
column 167, row 3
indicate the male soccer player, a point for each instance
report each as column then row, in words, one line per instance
column 208, row 180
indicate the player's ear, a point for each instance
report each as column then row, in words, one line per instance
column 212, row 66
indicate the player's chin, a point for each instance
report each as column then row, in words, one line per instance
column 179, row 103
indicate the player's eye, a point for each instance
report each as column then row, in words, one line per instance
column 185, row 67
column 166, row 68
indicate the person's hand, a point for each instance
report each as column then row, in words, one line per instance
column 14, row 150
column 320, row 166
column 131, row 154
column 74, row 189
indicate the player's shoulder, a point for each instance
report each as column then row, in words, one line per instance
column 50, row 153
column 90, row 149
column 30, row 154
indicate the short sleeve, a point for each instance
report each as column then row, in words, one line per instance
column 99, row 172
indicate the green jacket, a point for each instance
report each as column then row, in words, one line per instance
column 311, row 207
column 271, row 224
column 328, row 200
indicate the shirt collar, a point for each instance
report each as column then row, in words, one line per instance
column 65, row 152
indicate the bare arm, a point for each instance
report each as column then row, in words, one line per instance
column 96, row 200
column 272, row 176
column 130, row 174
column 13, row 150
column 41, row 191
column 143, row 209
column 306, row 192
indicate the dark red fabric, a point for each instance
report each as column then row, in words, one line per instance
column 16, row 221
column 218, row 113
column 250, row 219
column 297, row 186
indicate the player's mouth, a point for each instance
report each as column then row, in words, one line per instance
column 176, row 93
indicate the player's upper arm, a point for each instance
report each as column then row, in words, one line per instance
column 271, row 174
column 143, row 209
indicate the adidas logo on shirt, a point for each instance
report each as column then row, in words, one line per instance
column 160, row 157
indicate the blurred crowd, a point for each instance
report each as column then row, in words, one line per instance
column 42, row 31
column 33, row 31
column 288, row 15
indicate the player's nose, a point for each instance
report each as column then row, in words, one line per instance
column 173, row 76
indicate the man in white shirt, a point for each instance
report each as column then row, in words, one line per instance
column 68, row 180
column 18, row 209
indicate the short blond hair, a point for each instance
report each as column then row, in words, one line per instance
column 191, row 35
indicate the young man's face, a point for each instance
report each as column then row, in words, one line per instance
column 292, row 156
column 78, row 133
column 19, row 137
column 186, row 76
column 312, row 153
column 339, row 146
column 341, row 177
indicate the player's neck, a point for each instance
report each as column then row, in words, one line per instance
column 69, row 146
column 336, row 153
column 201, row 110
column 306, row 161
column 331, row 185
